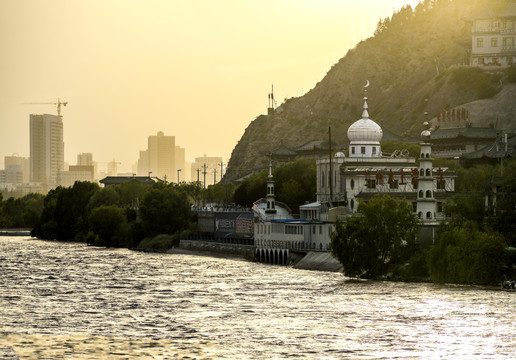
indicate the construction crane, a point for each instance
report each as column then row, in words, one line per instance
column 58, row 103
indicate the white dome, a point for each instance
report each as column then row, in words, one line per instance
column 340, row 154
column 365, row 131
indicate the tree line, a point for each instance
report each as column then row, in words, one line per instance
column 136, row 214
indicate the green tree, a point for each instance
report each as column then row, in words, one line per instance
column 382, row 232
column 295, row 182
column 164, row 210
column 463, row 254
column 106, row 223
column 104, row 196
column 251, row 189
column 65, row 212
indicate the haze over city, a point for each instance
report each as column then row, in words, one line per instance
column 196, row 70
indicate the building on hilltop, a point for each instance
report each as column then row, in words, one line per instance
column 46, row 149
column 493, row 43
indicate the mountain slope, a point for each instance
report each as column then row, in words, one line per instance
column 413, row 63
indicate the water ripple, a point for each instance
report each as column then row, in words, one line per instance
column 68, row 300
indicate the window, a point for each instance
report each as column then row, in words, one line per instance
column 320, row 229
column 429, row 215
column 322, row 178
column 313, row 230
column 352, row 149
column 352, row 184
column 440, row 207
column 480, row 43
column 428, row 173
column 362, row 150
column 420, row 193
column 429, row 193
column 371, row 184
column 494, row 42
column 374, row 150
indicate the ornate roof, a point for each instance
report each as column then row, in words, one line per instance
column 365, row 130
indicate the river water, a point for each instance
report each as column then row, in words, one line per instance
column 71, row 301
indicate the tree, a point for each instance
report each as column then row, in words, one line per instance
column 65, row 213
column 463, row 254
column 104, row 196
column 382, row 232
column 164, row 210
column 106, row 221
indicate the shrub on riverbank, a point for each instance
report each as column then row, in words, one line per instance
column 160, row 243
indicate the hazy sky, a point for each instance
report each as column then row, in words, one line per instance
column 198, row 70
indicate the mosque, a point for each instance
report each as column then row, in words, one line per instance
column 345, row 181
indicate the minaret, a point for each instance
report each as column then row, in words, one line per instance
column 271, row 209
column 426, row 204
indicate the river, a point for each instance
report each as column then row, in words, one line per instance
column 71, row 301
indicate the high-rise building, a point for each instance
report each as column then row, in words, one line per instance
column 143, row 163
column 85, row 159
column 46, row 148
column 161, row 151
column 22, row 162
column 180, row 163
column 162, row 159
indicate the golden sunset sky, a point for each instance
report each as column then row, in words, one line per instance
column 196, row 69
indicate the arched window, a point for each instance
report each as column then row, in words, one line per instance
column 352, row 184
column 428, row 193
column 422, row 155
column 428, row 172
column 421, row 172
column 352, row 203
column 429, row 215
column 419, row 214
column 420, row 193
column 427, row 155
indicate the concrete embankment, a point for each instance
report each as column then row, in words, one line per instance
column 322, row 261
column 216, row 248
column 311, row 260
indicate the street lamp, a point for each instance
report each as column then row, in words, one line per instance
column 178, row 170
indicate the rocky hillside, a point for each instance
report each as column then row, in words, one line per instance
column 414, row 63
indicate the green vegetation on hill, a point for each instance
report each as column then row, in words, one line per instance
column 414, row 64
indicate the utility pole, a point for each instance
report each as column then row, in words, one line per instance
column 204, row 173
column 198, row 169
column 214, row 176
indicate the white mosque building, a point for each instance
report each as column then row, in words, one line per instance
column 345, row 181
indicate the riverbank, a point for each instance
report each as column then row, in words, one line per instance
column 15, row 232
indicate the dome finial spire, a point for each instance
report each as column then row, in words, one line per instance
column 365, row 114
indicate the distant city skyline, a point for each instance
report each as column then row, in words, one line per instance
column 198, row 70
